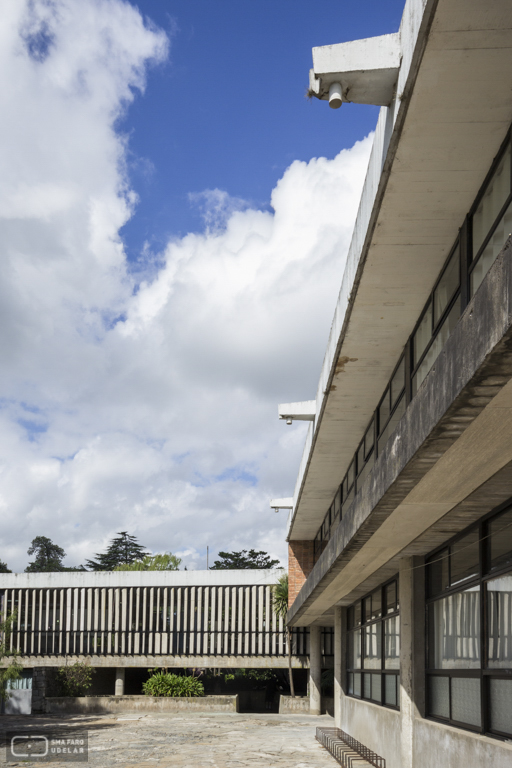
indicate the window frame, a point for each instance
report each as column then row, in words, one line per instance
column 484, row 673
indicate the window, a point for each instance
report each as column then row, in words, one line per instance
column 469, row 614
column 373, row 647
column 492, row 219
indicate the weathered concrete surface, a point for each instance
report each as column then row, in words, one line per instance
column 291, row 706
column 190, row 741
column 114, row 705
column 452, row 439
column 165, row 660
column 434, row 741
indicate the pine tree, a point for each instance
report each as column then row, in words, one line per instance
column 4, row 568
column 123, row 550
column 48, row 556
column 241, row 560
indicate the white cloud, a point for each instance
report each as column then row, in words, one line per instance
column 153, row 410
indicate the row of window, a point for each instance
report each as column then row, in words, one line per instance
column 469, row 633
column 480, row 240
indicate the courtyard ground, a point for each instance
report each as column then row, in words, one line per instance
column 182, row 741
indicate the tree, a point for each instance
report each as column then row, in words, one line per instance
column 11, row 671
column 123, row 550
column 75, row 679
column 48, row 556
column 245, row 559
column 4, row 568
column 163, row 562
column 280, row 605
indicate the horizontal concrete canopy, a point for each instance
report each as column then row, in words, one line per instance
column 303, row 411
column 89, row 579
column 453, row 109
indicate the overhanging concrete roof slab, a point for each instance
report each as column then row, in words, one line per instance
column 455, row 109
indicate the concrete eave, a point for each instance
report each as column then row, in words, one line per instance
column 303, row 411
column 432, row 150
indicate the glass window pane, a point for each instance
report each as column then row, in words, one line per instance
column 422, row 336
column 501, row 705
column 369, row 440
column 347, row 501
column 439, row 696
column 377, row 688
column 392, row 423
column 499, row 622
column 372, row 646
column 492, row 202
column 384, row 411
column 390, row 690
column 454, row 631
column 466, row 705
column 437, row 573
column 357, row 684
column 367, row 686
column 354, row 650
column 350, row 618
column 398, row 382
column 447, row 286
column 367, row 609
column 391, row 597
column 350, row 475
column 491, row 250
column 350, row 683
column 464, row 558
column 376, row 604
column 392, row 643
column 357, row 614
column 437, row 345
column 500, row 538
column 360, row 458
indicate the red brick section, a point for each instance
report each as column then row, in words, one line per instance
column 300, row 565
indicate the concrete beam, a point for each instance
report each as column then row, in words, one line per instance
column 366, row 69
column 223, row 662
column 303, row 411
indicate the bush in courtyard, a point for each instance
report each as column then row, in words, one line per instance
column 165, row 684
column 75, row 680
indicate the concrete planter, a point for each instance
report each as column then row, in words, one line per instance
column 113, row 705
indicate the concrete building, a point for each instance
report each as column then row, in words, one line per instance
column 400, row 527
column 119, row 621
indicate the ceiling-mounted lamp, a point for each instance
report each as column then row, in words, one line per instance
column 335, row 96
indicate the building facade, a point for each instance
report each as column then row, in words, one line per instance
column 400, row 529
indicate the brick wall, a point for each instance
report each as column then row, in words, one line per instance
column 300, row 565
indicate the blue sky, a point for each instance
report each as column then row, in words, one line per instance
column 227, row 109
column 174, row 223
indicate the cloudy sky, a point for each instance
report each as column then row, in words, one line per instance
column 174, row 219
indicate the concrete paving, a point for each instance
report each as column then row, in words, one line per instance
column 215, row 740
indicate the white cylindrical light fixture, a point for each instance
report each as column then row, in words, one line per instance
column 335, row 96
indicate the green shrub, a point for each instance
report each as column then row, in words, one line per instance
column 165, row 684
column 75, row 680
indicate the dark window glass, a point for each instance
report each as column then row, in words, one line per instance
column 376, row 610
column 354, row 649
column 357, row 614
column 369, row 440
column 492, row 201
column 423, row 335
column 447, row 286
column 391, row 601
column 350, row 618
column 500, row 540
column 367, row 687
column 437, row 573
column 357, row 684
column 464, row 558
column 350, row 683
column 398, row 382
column 350, row 475
column 384, row 411
column 367, row 609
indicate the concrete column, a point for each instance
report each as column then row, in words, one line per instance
column 315, row 671
column 411, row 582
column 120, row 674
column 340, row 655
